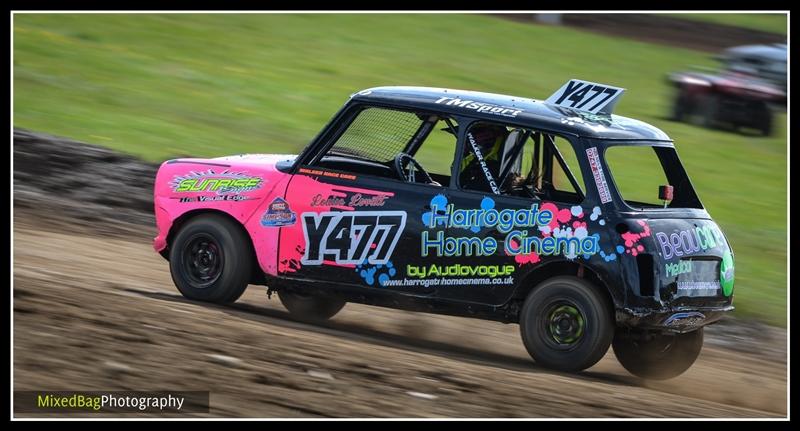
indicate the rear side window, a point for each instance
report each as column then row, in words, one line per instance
column 377, row 135
column 638, row 171
column 637, row 174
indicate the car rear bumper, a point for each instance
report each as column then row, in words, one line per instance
column 674, row 319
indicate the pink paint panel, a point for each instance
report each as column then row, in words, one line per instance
column 239, row 186
column 306, row 194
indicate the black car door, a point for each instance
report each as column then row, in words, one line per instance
column 488, row 256
column 359, row 223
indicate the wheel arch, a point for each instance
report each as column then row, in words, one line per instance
column 566, row 268
column 256, row 278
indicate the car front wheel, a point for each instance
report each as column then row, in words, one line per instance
column 210, row 259
column 657, row 356
column 566, row 324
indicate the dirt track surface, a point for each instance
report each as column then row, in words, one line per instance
column 87, row 184
column 101, row 313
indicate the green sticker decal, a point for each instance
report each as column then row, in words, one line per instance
column 726, row 273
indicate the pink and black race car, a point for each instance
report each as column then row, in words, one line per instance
column 464, row 203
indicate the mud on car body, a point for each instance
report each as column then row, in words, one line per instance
column 465, row 203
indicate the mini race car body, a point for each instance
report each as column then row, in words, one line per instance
column 527, row 238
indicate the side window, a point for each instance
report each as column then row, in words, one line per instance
column 395, row 144
column 556, row 174
column 436, row 152
column 482, row 157
column 520, row 162
column 561, row 179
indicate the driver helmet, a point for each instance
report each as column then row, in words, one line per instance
column 487, row 136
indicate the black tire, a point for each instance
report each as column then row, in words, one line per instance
column 764, row 122
column 659, row 356
column 586, row 336
column 313, row 308
column 708, row 110
column 681, row 106
column 211, row 259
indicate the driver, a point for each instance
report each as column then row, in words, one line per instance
column 488, row 140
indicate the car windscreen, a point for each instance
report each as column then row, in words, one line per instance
column 377, row 135
column 639, row 170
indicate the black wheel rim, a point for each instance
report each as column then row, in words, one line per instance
column 563, row 325
column 202, row 260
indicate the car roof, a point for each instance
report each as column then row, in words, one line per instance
column 521, row 111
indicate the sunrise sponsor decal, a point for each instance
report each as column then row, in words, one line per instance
column 220, row 183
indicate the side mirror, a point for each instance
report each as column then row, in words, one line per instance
column 665, row 193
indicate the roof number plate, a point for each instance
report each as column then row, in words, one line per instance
column 586, row 96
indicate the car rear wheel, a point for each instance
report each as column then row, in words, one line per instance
column 210, row 259
column 566, row 324
column 657, row 356
column 309, row 306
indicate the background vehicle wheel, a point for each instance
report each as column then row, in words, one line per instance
column 707, row 111
column 657, row 357
column 566, row 324
column 681, row 106
column 310, row 307
column 210, row 259
column 764, row 120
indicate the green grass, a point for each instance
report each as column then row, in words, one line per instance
column 770, row 22
column 163, row 85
